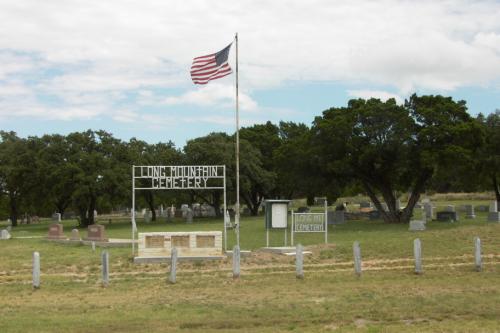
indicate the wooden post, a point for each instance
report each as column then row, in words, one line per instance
column 357, row 258
column 417, row 251
column 105, row 268
column 299, row 262
column 36, row 270
column 236, row 262
column 477, row 254
column 173, row 266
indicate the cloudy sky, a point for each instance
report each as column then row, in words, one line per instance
column 123, row 66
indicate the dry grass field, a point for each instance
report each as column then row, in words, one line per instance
column 449, row 297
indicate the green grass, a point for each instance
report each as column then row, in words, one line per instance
column 449, row 297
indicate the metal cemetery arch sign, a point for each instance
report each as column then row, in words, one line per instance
column 177, row 177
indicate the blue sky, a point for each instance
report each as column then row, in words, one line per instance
column 124, row 66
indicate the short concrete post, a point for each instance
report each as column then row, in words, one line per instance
column 299, row 262
column 105, row 268
column 36, row 270
column 357, row 258
column 477, row 254
column 93, row 246
column 417, row 252
column 236, row 262
column 173, row 266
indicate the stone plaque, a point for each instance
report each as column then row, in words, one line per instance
column 194, row 244
column 155, row 241
column 205, row 241
column 95, row 232
column 180, row 241
column 56, row 231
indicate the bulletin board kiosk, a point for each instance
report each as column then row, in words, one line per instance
column 276, row 217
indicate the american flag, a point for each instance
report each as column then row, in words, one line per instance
column 210, row 67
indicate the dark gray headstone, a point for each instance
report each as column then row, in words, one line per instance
column 303, row 210
column 336, row 217
column 447, row 216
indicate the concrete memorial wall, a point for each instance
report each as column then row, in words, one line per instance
column 198, row 244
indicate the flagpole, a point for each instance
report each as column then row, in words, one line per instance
column 237, row 215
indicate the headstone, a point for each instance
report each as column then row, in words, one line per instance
column 56, row 217
column 161, row 211
column 469, row 212
column 75, row 235
column 398, row 205
column 336, row 217
column 95, row 232
column 303, row 210
column 5, row 234
column 482, row 208
column 105, row 268
column 95, row 214
column 447, row 216
column 417, row 225
column 56, row 231
column 374, row 215
column 357, row 258
column 147, row 216
column 493, row 216
column 365, row 204
column 429, row 210
column 299, row 262
column 227, row 220
column 478, row 265
column 9, row 228
column 236, row 262
column 384, row 207
column 189, row 215
column 417, row 252
column 143, row 212
column 36, row 270
column 173, row 266
column 449, row 208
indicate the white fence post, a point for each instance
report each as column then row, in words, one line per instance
column 357, row 258
column 236, row 262
column 477, row 254
column 173, row 266
column 105, row 268
column 417, row 251
column 299, row 262
column 36, row 270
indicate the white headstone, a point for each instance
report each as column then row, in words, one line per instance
column 5, row 234
column 429, row 210
column 493, row 206
column 417, row 225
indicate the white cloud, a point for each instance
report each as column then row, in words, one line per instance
column 91, row 55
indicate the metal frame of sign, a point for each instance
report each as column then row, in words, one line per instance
column 325, row 226
column 178, row 177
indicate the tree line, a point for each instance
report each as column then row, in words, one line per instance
column 381, row 149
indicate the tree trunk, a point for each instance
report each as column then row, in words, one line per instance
column 150, row 199
column 496, row 189
column 13, row 209
column 387, row 216
column 92, row 207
